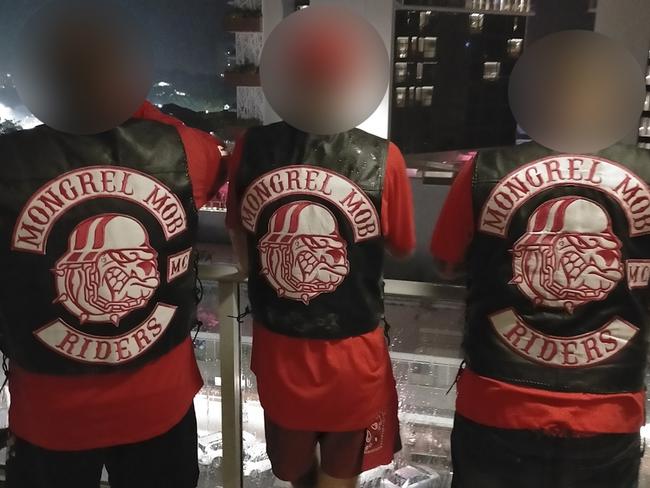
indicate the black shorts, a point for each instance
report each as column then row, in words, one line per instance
column 292, row 452
column 486, row 457
column 167, row 461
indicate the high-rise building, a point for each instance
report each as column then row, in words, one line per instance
column 245, row 20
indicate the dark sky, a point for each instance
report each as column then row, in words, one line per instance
column 186, row 34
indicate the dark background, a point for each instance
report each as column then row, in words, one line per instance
column 190, row 50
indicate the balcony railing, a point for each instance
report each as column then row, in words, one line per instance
column 428, row 374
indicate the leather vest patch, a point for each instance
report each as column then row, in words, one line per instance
column 626, row 188
column 560, row 269
column 99, row 248
column 110, row 268
column 569, row 255
column 311, row 207
column 303, row 253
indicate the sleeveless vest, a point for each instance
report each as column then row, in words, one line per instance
column 96, row 247
column 559, row 269
column 312, row 208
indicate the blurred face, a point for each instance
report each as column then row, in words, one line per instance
column 324, row 70
column 82, row 68
column 577, row 91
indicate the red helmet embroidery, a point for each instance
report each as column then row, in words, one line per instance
column 110, row 269
column 303, row 255
column 569, row 255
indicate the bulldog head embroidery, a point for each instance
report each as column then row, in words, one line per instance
column 569, row 255
column 303, row 255
column 110, row 269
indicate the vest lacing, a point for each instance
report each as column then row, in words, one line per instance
column 240, row 318
column 387, row 328
column 198, row 295
column 461, row 368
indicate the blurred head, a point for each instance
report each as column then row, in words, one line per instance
column 577, row 91
column 82, row 66
column 324, row 69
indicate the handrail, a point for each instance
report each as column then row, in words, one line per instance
column 220, row 272
column 419, row 289
column 230, row 357
column 226, row 272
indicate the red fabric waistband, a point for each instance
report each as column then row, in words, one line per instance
column 72, row 413
column 502, row 405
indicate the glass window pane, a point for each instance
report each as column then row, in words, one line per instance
column 256, row 465
column 207, row 402
column 425, row 352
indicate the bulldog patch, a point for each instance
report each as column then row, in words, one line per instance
column 569, row 255
column 109, row 268
column 302, row 252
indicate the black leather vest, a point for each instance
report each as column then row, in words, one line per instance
column 96, row 247
column 312, row 207
column 559, row 269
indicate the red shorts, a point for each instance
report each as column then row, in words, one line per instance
column 343, row 455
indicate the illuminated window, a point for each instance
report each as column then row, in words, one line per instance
column 491, row 70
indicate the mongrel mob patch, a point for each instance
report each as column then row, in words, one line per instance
column 303, row 254
column 569, row 255
column 109, row 269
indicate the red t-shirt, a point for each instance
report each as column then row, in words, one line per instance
column 68, row 413
column 331, row 385
column 498, row 404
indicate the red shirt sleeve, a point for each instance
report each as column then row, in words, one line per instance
column 203, row 153
column 233, row 218
column 397, row 222
column 455, row 227
column 149, row 111
column 203, row 162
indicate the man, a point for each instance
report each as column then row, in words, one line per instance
column 314, row 228
column 310, row 217
column 557, row 260
column 98, row 296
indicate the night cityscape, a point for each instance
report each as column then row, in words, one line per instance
column 191, row 53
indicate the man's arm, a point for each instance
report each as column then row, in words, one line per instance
column 454, row 230
column 204, row 153
column 398, row 227
column 204, row 157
